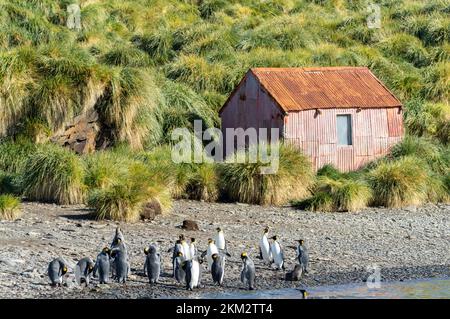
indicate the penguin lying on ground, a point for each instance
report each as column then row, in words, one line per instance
column 83, row 270
column 152, row 266
column 277, row 253
column 248, row 271
column 103, row 266
column 218, row 268
column 56, row 270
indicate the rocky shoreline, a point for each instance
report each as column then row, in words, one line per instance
column 407, row 243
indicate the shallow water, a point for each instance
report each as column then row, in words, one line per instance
column 424, row 289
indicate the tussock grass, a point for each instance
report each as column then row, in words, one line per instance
column 9, row 207
column 398, row 183
column 337, row 193
column 14, row 154
column 124, row 199
column 245, row 182
column 203, row 183
column 54, row 174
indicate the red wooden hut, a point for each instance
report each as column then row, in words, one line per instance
column 343, row 116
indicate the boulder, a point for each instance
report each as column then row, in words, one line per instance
column 190, row 225
column 81, row 136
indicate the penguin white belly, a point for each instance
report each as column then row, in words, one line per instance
column 276, row 253
column 212, row 249
column 186, row 251
column 192, row 251
column 223, row 269
column 220, row 241
column 195, row 274
column 265, row 249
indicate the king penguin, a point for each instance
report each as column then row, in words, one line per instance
column 218, row 269
column 103, row 265
column 248, row 271
column 152, row 265
column 178, row 270
column 264, row 247
column 83, row 271
column 193, row 273
column 220, row 239
column 277, row 253
column 56, row 270
column 302, row 255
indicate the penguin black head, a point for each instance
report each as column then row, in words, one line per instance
column 266, row 230
column 178, row 241
column 210, row 240
column 106, row 250
column 274, row 238
column 301, row 241
column 244, row 255
column 214, row 256
column 304, row 293
column 192, row 240
column 146, row 250
column 179, row 254
column 181, row 237
column 218, row 229
column 64, row 270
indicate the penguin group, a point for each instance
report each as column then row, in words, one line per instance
column 112, row 263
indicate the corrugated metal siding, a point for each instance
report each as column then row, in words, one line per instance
column 316, row 136
column 249, row 107
column 298, row 89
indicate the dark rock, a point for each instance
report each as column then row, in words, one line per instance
column 190, row 225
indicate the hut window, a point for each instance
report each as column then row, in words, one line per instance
column 344, row 129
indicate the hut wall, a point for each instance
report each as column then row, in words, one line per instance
column 374, row 132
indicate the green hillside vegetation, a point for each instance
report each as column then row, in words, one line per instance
column 148, row 66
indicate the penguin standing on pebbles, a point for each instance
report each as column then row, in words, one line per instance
column 152, row 266
column 177, row 248
column 83, row 271
column 193, row 273
column 218, row 269
column 56, row 270
column 277, row 253
column 248, row 271
column 121, row 264
column 103, row 266
column 264, row 248
column 302, row 255
column 178, row 268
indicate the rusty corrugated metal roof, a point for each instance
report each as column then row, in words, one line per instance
column 297, row 89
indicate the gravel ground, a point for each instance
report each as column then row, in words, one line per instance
column 405, row 243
